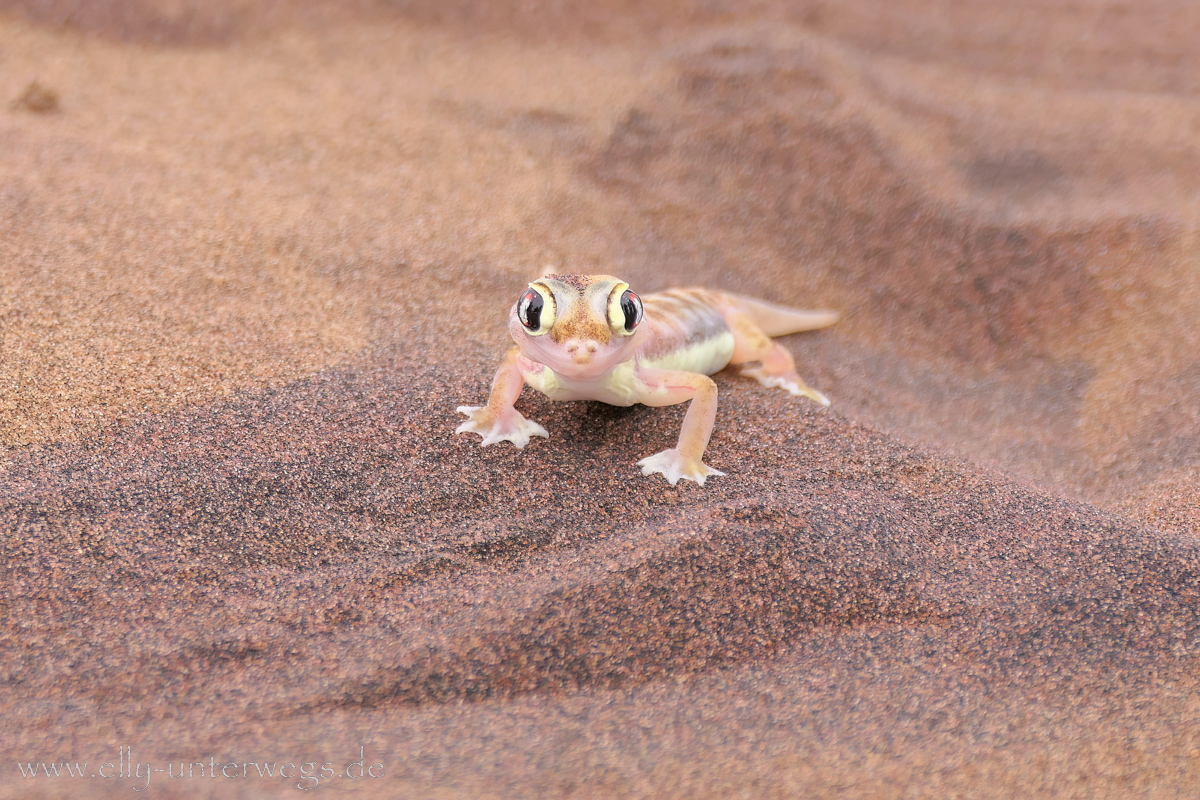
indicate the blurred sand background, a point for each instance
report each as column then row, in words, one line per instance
column 253, row 255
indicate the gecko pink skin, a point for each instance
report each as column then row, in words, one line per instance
column 588, row 337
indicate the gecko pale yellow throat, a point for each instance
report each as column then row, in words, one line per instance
column 589, row 337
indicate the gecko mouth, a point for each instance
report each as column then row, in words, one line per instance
column 577, row 369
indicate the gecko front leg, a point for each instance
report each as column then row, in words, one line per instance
column 498, row 421
column 660, row 387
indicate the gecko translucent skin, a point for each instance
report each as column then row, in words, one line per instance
column 588, row 337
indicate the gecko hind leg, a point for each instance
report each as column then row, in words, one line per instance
column 764, row 359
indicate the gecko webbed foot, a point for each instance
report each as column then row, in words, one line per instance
column 508, row 426
column 673, row 465
column 789, row 383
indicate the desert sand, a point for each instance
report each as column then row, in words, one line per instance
column 253, row 255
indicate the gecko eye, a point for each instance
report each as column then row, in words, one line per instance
column 535, row 309
column 631, row 306
column 624, row 310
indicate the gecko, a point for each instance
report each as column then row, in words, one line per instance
column 591, row 337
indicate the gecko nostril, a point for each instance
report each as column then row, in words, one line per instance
column 582, row 346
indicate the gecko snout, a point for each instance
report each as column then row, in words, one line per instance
column 581, row 350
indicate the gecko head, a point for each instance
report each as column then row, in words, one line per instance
column 580, row 326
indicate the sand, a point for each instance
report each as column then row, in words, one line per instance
column 255, row 254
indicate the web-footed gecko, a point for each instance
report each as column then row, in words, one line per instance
column 589, row 337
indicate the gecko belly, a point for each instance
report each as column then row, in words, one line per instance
column 706, row 356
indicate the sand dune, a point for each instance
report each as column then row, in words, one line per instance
column 255, row 254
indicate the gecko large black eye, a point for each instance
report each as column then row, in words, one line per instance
column 529, row 310
column 631, row 307
column 535, row 309
column 624, row 310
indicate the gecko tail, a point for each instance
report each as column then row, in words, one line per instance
column 777, row 320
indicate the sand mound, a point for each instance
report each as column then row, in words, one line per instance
column 255, row 254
